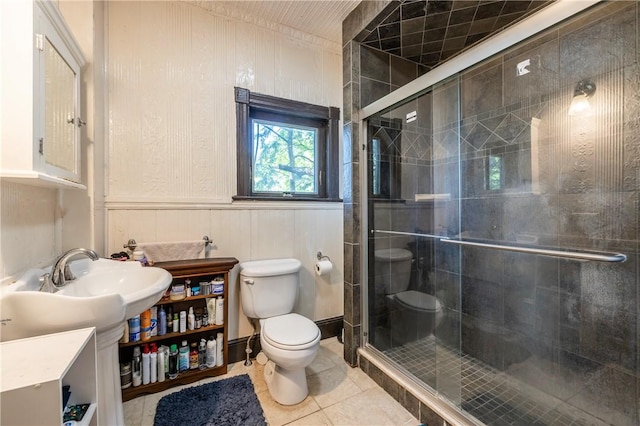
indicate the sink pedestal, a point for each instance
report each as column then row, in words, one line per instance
column 109, row 390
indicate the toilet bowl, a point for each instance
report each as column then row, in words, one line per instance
column 412, row 314
column 268, row 290
column 291, row 343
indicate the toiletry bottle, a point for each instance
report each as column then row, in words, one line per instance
column 169, row 320
column 211, row 352
column 187, row 287
column 205, row 318
column 183, row 357
column 162, row 322
column 183, row 321
column 154, row 320
column 219, row 350
column 136, row 367
column 198, row 320
column 173, row 362
column 146, row 365
column 145, row 325
column 193, row 356
column 192, row 319
column 176, row 322
column 211, row 310
column 219, row 310
column 202, row 354
column 153, row 365
column 134, row 329
column 161, row 363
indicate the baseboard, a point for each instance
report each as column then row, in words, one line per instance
column 330, row 327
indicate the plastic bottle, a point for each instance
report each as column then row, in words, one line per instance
column 169, row 320
column 202, row 354
column 162, row 322
column 173, row 361
column 187, row 287
column 219, row 351
column 154, row 363
column 211, row 352
column 176, row 323
column 146, row 365
column 183, row 357
column 193, row 356
column 161, row 363
column 154, row 320
column 219, row 310
column 192, row 319
column 211, row 310
column 136, row 367
column 205, row 318
column 183, row 321
column 134, row 329
column 145, row 325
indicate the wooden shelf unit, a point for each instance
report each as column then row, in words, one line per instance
column 196, row 270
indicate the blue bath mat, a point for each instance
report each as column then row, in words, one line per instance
column 227, row 402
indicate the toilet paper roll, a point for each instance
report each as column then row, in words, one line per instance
column 323, row 267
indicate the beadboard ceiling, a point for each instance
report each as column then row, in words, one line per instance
column 321, row 18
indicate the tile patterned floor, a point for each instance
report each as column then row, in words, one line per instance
column 492, row 396
column 338, row 395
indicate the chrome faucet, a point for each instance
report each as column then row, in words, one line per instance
column 60, row 273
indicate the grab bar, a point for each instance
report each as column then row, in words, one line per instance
column 599, row 257
column 411, row 234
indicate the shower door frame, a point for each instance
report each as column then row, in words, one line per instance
column 536, row 23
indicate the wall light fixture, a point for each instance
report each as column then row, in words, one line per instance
column 582, row 93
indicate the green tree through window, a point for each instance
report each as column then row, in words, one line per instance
column 284, row 158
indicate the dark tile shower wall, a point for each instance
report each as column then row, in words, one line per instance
column 581, row 320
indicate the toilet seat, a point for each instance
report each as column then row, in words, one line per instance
column 291, row 332
column 418, row 301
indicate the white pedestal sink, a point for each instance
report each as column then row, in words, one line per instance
column 104, row 295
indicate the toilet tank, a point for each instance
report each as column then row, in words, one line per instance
column 393, row 269
column 269, row 287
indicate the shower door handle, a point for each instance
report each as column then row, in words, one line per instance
column 562, row 253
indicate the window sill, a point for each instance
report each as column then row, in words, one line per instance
column 278, row 199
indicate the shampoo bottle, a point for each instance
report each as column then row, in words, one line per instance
column 202, row 354
column 162, row 322
column 173, row 362
column 183, row 321
column 154, row 363
column 219, row 352
column 219, row 310
column 146, row 365
column 192, row 319
column 183, row 357
column 211, row 352
column 154, row 320
column 161, row 363
column 136, row 367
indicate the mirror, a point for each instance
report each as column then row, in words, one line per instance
column 60, row 111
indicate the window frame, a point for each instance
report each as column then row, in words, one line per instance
column 250, row 105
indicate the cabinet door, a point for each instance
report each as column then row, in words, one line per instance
column 59, row 103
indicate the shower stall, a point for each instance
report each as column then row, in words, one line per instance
column 501, row 226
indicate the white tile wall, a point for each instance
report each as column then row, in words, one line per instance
column 171, row 140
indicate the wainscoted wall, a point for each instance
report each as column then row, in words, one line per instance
column 171, row 139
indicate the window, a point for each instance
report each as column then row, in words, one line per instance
column 287, row 150
column 495, row 175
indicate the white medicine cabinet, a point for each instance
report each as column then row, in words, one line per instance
column 41, row 84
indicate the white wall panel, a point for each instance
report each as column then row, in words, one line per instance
column 171, row 153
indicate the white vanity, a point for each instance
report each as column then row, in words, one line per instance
column 34, row 371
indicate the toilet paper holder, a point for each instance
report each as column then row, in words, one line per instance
column 321, row 256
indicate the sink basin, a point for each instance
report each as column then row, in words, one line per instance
column 105, row 293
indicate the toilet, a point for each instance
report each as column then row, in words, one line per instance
column 268, row 292
column 412, row 314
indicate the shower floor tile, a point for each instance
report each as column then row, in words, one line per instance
column 491, row 396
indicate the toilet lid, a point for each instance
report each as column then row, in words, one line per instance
column 290, row 331
column 418, row 300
